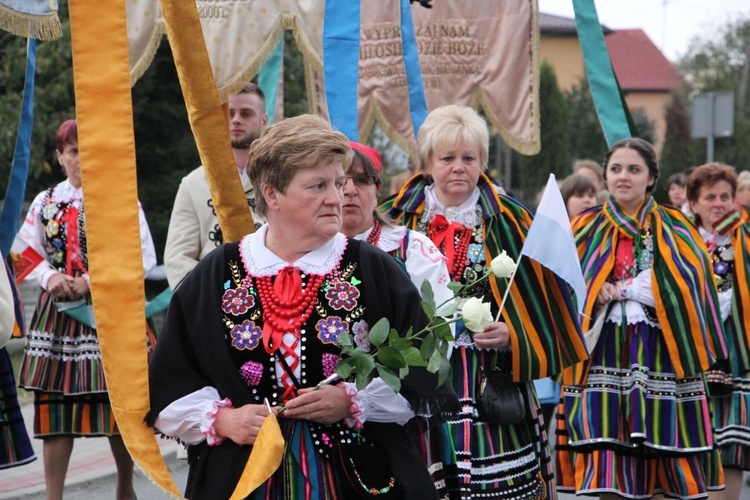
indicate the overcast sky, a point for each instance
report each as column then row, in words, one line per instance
column 669, row 23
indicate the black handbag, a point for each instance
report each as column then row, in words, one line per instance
column 499, row 399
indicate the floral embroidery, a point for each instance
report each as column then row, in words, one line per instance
column 49, row 211
column 330, row 362
column 475, row 253
column 361, row 332
column 342, row 295
column 723, row 263
column 237, row 301
column 330, row 328
column 645, row 254
column 251, row 372
column 246, row 335
column 52, row 229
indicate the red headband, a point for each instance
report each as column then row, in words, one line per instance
column 370, row 153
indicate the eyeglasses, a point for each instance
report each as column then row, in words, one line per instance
column 362, row 180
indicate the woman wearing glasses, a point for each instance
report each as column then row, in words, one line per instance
column 416, row 253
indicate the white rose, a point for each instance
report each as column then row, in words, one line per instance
column 476, row 314
column 503, row 266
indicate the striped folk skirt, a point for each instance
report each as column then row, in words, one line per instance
column 730, row 412
column 469, row 458
column 15, row 446
column 633, row 428
column 62, row 365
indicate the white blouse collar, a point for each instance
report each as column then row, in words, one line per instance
column 260, row 261
column 65, row 191
column 465, row 213
column 390, row 237
column 719, row 239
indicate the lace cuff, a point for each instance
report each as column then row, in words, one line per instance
column 209, row 419
column 355, row 421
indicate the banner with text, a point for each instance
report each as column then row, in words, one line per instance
column 477, row 53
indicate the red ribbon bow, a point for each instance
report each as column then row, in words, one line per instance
column 288, row 288
column 444, row 233
column 73, row 261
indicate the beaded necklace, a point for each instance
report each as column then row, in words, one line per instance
column 288, row 315
column 373, row 491
column 374, row 237
column 461, row 242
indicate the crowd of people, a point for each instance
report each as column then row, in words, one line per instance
column 652, row 381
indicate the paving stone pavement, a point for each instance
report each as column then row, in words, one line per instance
column 90, row 461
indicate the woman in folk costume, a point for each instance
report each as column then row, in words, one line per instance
column 416, row 253
column 15, row 445
column 62, row 363
column 259, row 320
column 725, row 227
column 455, row 204
column 634, row 419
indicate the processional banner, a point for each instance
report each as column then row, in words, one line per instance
column 480, row 53
column 477, row 53
column 31, row 18
column 240, row 36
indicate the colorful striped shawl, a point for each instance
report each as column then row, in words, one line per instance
column 545, row 333
column 687, row 305
column 739, row 229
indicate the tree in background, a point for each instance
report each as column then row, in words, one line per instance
column 678, row 152
column 586, row 138
column 54, row 103
column 554, row 157
column 165, row 147
column 721, row 61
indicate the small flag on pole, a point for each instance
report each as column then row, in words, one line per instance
column 550, row 241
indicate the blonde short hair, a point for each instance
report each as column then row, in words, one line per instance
column 291, row 145
column 449, row 125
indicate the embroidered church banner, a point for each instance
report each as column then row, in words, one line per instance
column 472, row 52
column 145, row 31
column 31, row 18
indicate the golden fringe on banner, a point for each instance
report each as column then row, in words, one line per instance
column 521, row 147
column 286, row 22
column 44, row 28
column 139, row 68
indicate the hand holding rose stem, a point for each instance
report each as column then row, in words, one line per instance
column 390, row 353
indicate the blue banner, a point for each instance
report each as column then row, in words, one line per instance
column 13, row 204
column 417, row 99
column 268, row 79
column 341, row 64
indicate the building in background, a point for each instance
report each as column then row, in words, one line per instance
column 646, row 76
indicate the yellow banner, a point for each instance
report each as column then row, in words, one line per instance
column 107, row 151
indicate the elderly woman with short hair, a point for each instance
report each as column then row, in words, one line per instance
column 454, row 203
column 259, row 320
column 725, row 227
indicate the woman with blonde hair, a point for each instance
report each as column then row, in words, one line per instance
column 453, row 202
